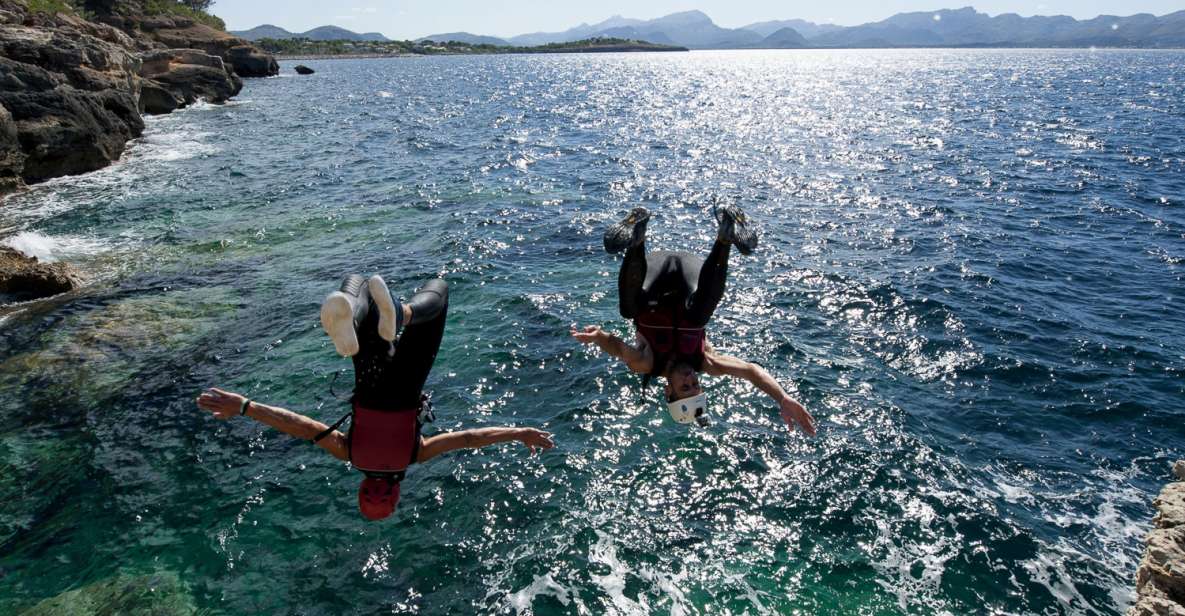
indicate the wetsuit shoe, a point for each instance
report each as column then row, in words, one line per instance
column 628, row 233
column 337, row 317
column 735, row 229
column 390, row 310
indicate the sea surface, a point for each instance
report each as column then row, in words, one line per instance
column 971, row 272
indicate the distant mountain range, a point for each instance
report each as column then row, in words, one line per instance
column 324, row 33
column 964, row 27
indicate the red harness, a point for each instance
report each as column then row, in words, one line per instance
column 384, row 442
column 671, row 337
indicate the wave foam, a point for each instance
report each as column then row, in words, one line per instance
column 50, row 249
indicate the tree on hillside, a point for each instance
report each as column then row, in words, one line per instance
column 198, row 5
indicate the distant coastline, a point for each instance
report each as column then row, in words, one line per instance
column 307, row 49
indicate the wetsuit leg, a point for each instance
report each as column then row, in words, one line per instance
column 709, row 284
column 383, row 381
column 631, row 281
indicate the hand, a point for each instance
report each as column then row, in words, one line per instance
column 535, row 439
column 590, row 334
column 794, row 413
column 222, row 404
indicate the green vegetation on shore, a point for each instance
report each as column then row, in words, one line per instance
column 193, row 9
column 306, row 47
column 196, row 10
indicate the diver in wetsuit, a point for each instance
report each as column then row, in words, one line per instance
column 393, row 346
column 670, row 297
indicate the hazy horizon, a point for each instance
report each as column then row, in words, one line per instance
column 411, row 20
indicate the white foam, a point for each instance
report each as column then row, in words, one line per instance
column 522, row 600
column 604, row 552
column 173, row 145
column 50, row 249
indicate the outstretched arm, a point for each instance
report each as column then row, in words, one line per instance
column 792, row 411
column 482, row 437
column 637, row 360
column 225, row 405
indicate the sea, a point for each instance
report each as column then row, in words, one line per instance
column 970, row 271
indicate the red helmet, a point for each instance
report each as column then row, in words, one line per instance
column 377, row 497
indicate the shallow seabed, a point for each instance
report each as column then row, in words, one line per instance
column 971, row 272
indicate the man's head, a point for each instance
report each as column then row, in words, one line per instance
column 682, row 382
column 378, row 497
column 686, row 400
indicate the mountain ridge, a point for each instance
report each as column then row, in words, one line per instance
column 321, row 33
column 963, row 27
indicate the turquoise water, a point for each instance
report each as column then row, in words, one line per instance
column 971, row 273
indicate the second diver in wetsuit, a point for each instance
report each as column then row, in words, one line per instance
column 670, row 297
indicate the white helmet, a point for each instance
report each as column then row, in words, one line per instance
column 690, row 410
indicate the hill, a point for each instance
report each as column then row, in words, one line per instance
column 323, row 33
column 464, row 37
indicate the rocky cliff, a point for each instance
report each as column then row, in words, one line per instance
column 1160, row 580
column 72, row 90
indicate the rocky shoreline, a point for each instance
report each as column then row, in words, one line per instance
column 1160, row 580
column 73, row 90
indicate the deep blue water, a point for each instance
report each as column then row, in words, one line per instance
column 971, row 272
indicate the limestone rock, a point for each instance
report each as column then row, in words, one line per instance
column 1170, row 507
column 1156, row 606
column 303, row 70
column 251, row 62
column 156, row 99
column 64, row 130
column 183, row 33
column 1163, row 566
column 188, row 75
column 71, row 90
column 1160, row 580
column 12, row 159
column 24, row 278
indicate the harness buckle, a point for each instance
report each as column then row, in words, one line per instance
column 427, row 411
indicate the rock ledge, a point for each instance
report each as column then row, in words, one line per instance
column 25, row 278
column 1160, row 580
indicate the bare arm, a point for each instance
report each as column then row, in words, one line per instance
column 792, row 411
column 225, row 405
column 638, row 359
column 482, row 437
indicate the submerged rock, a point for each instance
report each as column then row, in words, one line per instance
column 1160, row 580
column 25, row 278
column 151, row 595
column 303, row 70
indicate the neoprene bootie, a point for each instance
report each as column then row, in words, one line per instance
column 628, row 233
column 343, row 311
column 735, row 229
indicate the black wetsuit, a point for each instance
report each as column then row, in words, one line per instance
column 384, row 382
column 683, row 286
column 669, row 278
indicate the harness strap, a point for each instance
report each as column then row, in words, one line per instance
column 330, row 429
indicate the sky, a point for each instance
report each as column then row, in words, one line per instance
column 411, row 19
